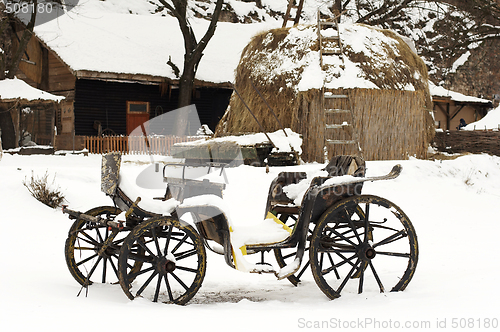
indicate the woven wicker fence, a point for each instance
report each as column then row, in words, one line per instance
column 159, row 145
column 462, row 141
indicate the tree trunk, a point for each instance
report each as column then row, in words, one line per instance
column 6, row 123
column 23, row 43
column 186, row 86
column 7, row 126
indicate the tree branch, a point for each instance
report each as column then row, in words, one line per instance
column 23, row 43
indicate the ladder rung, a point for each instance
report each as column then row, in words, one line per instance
column 338, row 141
column 335, row 96
column 337, row 126
column 325, row 38
column 330, row 52
column 336, row 110
column 329, row 24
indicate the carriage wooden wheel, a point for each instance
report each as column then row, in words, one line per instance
column 172, row 258
column 86, row 260
column 373, row 251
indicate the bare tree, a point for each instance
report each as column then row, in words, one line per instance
column 442, row 29
column 193, row 52
column 193, row 48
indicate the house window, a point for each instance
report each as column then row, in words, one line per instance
column 137, row 114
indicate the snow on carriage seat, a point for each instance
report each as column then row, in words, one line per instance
column 267, row 231
column 296, row 191
column 146, row 183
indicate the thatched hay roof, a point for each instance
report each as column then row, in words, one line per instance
column 284, row 65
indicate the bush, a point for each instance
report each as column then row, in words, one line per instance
column 39, row 188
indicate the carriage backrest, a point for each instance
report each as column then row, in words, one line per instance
column 110, row 172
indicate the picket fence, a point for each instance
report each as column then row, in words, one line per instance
column 158, row 145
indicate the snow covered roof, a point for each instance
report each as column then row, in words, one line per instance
column 438, row 91
column 101, row 37
column 372, row 59
column 12, row 89
column 490, row 121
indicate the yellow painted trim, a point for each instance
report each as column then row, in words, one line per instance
column 273, row 217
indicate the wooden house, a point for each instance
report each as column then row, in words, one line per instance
column 450, row 107
column 112, row 70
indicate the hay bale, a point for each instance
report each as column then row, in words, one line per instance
column 386, row 82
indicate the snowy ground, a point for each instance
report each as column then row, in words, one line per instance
column 451, row 203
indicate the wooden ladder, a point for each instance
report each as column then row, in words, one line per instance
column 340, row 133
column 288, row 15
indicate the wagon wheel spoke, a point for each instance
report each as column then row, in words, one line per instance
column 303, row 269
column 394, row 254
column 346, row 279
column 377, row 278
column 144, row 246
column 84, row 245
column 146, row 283
column 155, row 239
column 90, row 240
column 185, row 254
column 113, row 265
column 179, row 281
column 366, row 223
column 86, row 260
column 361, row 281
column 141, row 272
column 287, row 256
column 394, row 237
column 180, row 269
column 104, row 268
column 169, row 289
column 179, row 244
column 354, row 230
column 94, row 267
column 157, row 291
column 188, row 269
column 167, row 242
column 379, row 224
column 341, row 236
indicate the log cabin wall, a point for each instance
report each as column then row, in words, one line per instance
column 106, row 102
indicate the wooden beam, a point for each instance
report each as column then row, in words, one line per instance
column 454, row 115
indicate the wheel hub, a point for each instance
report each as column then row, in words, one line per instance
column 366, row 252
column 165, row 265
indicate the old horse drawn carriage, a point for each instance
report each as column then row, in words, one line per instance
column 351, row 242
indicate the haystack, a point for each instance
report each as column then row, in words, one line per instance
column 385, row 80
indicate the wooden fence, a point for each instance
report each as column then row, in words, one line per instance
column 158, row 145
column 460, row 141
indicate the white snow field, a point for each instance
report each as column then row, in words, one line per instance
column 451, row 203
